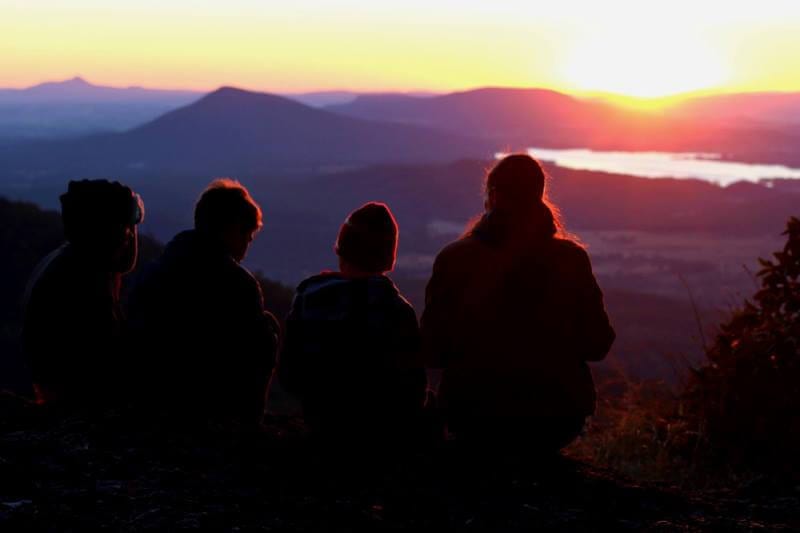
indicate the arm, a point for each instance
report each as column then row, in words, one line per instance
column 595, row 332
column 258, row 333
column 434, row 324
column 409, row 361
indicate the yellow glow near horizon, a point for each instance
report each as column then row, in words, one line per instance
column 644, row 64
column 638, row 49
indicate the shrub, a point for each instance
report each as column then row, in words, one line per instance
column 739, row 416
column 640, row 435
column 746, row 399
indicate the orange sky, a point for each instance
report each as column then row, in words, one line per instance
column 635, row 48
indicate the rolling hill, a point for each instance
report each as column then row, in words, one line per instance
column 509, row 115
column 519, row 118
column 232, row 131
column 764, row 107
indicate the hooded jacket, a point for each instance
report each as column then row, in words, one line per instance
column 351, row 353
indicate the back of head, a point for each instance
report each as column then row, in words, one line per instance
column 517, row 181
column 516, row 201
column 226, row 203
column 368, row 238
column 98, row 218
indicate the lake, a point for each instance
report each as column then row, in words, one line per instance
column 683, row 165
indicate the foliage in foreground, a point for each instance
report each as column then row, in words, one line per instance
column 747, row 399
column 739, row 416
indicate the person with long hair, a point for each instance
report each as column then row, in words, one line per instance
column 512, row 315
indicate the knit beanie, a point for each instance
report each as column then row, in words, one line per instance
column 368, row 238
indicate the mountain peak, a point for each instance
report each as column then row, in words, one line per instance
column 227, row 96
column 227, row 93
column 227, row 90
column 76, row 83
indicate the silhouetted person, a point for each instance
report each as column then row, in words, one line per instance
column 512, row 315
column 73, row 328
column 351, row 348
column 206, row 344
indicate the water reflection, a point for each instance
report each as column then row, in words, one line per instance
column 684, row 165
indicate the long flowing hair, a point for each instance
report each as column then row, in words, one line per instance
column 522, row 208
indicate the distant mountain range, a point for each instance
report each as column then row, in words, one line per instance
column 765, row 107
column 762, row 127
column 76, row 107
column 510, row 115
column 519, row 118
column 513, row 107
column 79, row 90
column 231, row 131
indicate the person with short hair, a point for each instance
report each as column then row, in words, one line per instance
column 73, row 324
column 513, row 313
column 198, row 316
column 351, row 348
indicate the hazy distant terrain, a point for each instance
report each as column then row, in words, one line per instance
column 764, row 107
column 332, row 98
column 232, row 131
column 730, row 125
column 759, row 127
column 76, row 107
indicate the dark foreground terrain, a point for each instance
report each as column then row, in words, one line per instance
column 80, row 473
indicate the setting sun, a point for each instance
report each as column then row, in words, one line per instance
column 643, row 63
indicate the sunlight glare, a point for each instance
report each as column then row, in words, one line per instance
column 643, row 63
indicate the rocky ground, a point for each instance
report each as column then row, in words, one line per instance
column 82, row 473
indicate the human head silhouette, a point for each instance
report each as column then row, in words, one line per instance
column 100, row 219
column 367, row 241
column 515, row 193
column 228, row 213
column 515, row 183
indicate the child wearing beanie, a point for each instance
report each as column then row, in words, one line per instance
column 351, row 346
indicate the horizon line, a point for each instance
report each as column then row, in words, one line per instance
column 578, row 93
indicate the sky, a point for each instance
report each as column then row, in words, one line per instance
column 636, row 48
